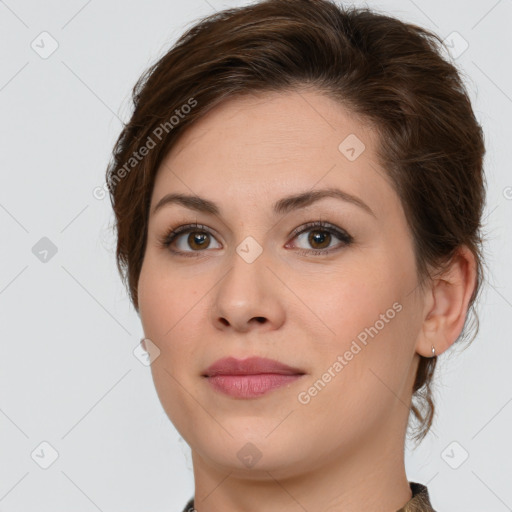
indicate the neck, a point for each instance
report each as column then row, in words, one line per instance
column 370, row 476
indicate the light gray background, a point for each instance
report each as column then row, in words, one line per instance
column 67, row 372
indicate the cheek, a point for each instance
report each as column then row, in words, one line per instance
column 367, row 316
column 167, row 320
column 173, row 318
column 153, row 301
column 343, row 303
column 165, row 298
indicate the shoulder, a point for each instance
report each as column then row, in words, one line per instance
column 420, row 500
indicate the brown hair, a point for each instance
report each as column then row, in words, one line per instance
column 387, row 72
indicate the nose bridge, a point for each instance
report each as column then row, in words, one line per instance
column 246, row 278
column 246, row 292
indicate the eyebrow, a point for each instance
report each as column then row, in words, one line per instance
column 281, row 207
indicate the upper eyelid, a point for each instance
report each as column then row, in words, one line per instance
column 327, row 226
column 339, row 232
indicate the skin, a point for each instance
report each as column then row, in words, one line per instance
column 299, row 308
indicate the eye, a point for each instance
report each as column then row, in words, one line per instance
column 199, row 239
column 319, row 235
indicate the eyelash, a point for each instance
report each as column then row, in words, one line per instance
column 341, row 234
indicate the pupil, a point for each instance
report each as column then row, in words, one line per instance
column 319, row 237
column 197, row 239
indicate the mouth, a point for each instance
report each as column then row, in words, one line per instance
column 250, row 378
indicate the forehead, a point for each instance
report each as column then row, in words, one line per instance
column 268, row 145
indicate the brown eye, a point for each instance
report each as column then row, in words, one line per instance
column 199, row 238
column 319, row 237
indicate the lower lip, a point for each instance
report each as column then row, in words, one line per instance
column 250, row 386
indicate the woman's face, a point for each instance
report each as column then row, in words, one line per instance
column 338, row 302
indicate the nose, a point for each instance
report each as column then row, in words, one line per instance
column 249, row 296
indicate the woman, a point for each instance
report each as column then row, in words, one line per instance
column 298, row 198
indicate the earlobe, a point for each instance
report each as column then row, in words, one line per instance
column 447, row 305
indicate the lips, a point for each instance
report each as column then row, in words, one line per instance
column 250, row 366
column 250, row 378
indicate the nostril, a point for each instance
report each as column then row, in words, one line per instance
column 260, row 319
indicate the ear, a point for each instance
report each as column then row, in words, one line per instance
column 446, row 304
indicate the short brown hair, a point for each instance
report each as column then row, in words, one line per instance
column 388, row 72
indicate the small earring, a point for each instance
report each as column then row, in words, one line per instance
column 143, row 344
column 433, row 351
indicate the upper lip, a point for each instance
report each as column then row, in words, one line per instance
column 249, row 366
